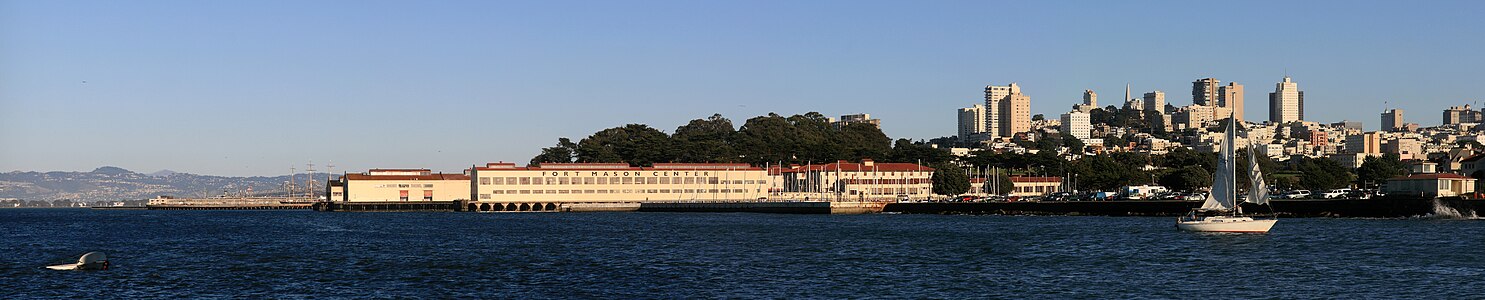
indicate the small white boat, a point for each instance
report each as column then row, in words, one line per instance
column 1221, row 212
column 89, row 261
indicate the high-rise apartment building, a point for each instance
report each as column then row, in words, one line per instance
column 1155, row 101
column 1007, row 111
column 1204, row 91
column 1286, row 103
column 971, row 121
column 1392, row 120
column 1077, row 124
column 1364, row 143
column 1230, row 96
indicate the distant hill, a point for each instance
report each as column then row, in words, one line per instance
column 117, row 184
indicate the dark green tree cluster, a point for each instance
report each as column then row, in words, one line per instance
column 949, row 179
column 770, row 139
column 1376, row 170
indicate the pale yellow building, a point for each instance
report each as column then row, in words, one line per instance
column 847, row 181
column 1007, row 111
column 381, row 185
column 618, row 183
column 1431, row 185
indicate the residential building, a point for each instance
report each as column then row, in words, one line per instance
column 1286, row 103
column 1405, row 148
column 1204, row 91
column 1076, row 124
column 1155, row 101
column 1192, row 116
column 1364, row 143
column 1007, row 111
column 971, row 121
column 1230, row 96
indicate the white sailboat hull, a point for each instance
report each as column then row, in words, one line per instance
column 1226, row 224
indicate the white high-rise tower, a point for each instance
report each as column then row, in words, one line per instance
column 1286, row 103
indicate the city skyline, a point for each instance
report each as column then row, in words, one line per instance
column 221, row 88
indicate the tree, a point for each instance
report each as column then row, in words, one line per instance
column 949, row 180
column 1188, row 178
column 562, row 153
column 1376, row 170
column 1320, row 174
column 1038, row 117
column 908, row 151
column 1105, row 172
column 998, row 184
column 636, row 144
column 1073, row 143
column 705, row 140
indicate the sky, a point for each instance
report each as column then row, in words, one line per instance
column 243, row 88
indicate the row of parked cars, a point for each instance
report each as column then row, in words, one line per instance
column 1331, row 194
column 1167, row 195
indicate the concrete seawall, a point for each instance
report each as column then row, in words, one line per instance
column 1342, row 208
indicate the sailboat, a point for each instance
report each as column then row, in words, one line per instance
column 1221, row 212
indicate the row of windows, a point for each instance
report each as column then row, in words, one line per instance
column 648, row 191
column 405, row 185
column 607, row 180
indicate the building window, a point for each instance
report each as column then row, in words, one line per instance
column 484, row 180
column 498, row 180
column 485, row 196
column 652, row 180
column 525, row 180
column 427, row 195
column 602, row 180
column 402, row 195
column 588, row 180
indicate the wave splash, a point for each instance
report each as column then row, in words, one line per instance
column 1444, row 212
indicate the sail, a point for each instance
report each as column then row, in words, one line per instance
column 1258, row 193
column 1224, row 182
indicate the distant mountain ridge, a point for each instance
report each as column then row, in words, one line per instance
column 117, row 184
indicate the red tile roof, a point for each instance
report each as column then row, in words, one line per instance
column 401, row 170
column 844, row 166
column 1431, row 176
column 1036, row 179
column 439, row 176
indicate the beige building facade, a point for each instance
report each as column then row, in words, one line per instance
column 618, row 182
column 388, row 185
column 847, row 181
column 1007, row 110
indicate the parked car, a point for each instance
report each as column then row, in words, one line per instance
column 1335, row 194
column 1297, row 194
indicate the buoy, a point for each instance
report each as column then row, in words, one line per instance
column 88, row 261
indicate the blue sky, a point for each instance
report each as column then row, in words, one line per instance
column 255, row 87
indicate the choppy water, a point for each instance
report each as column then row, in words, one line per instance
column 284, row 254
